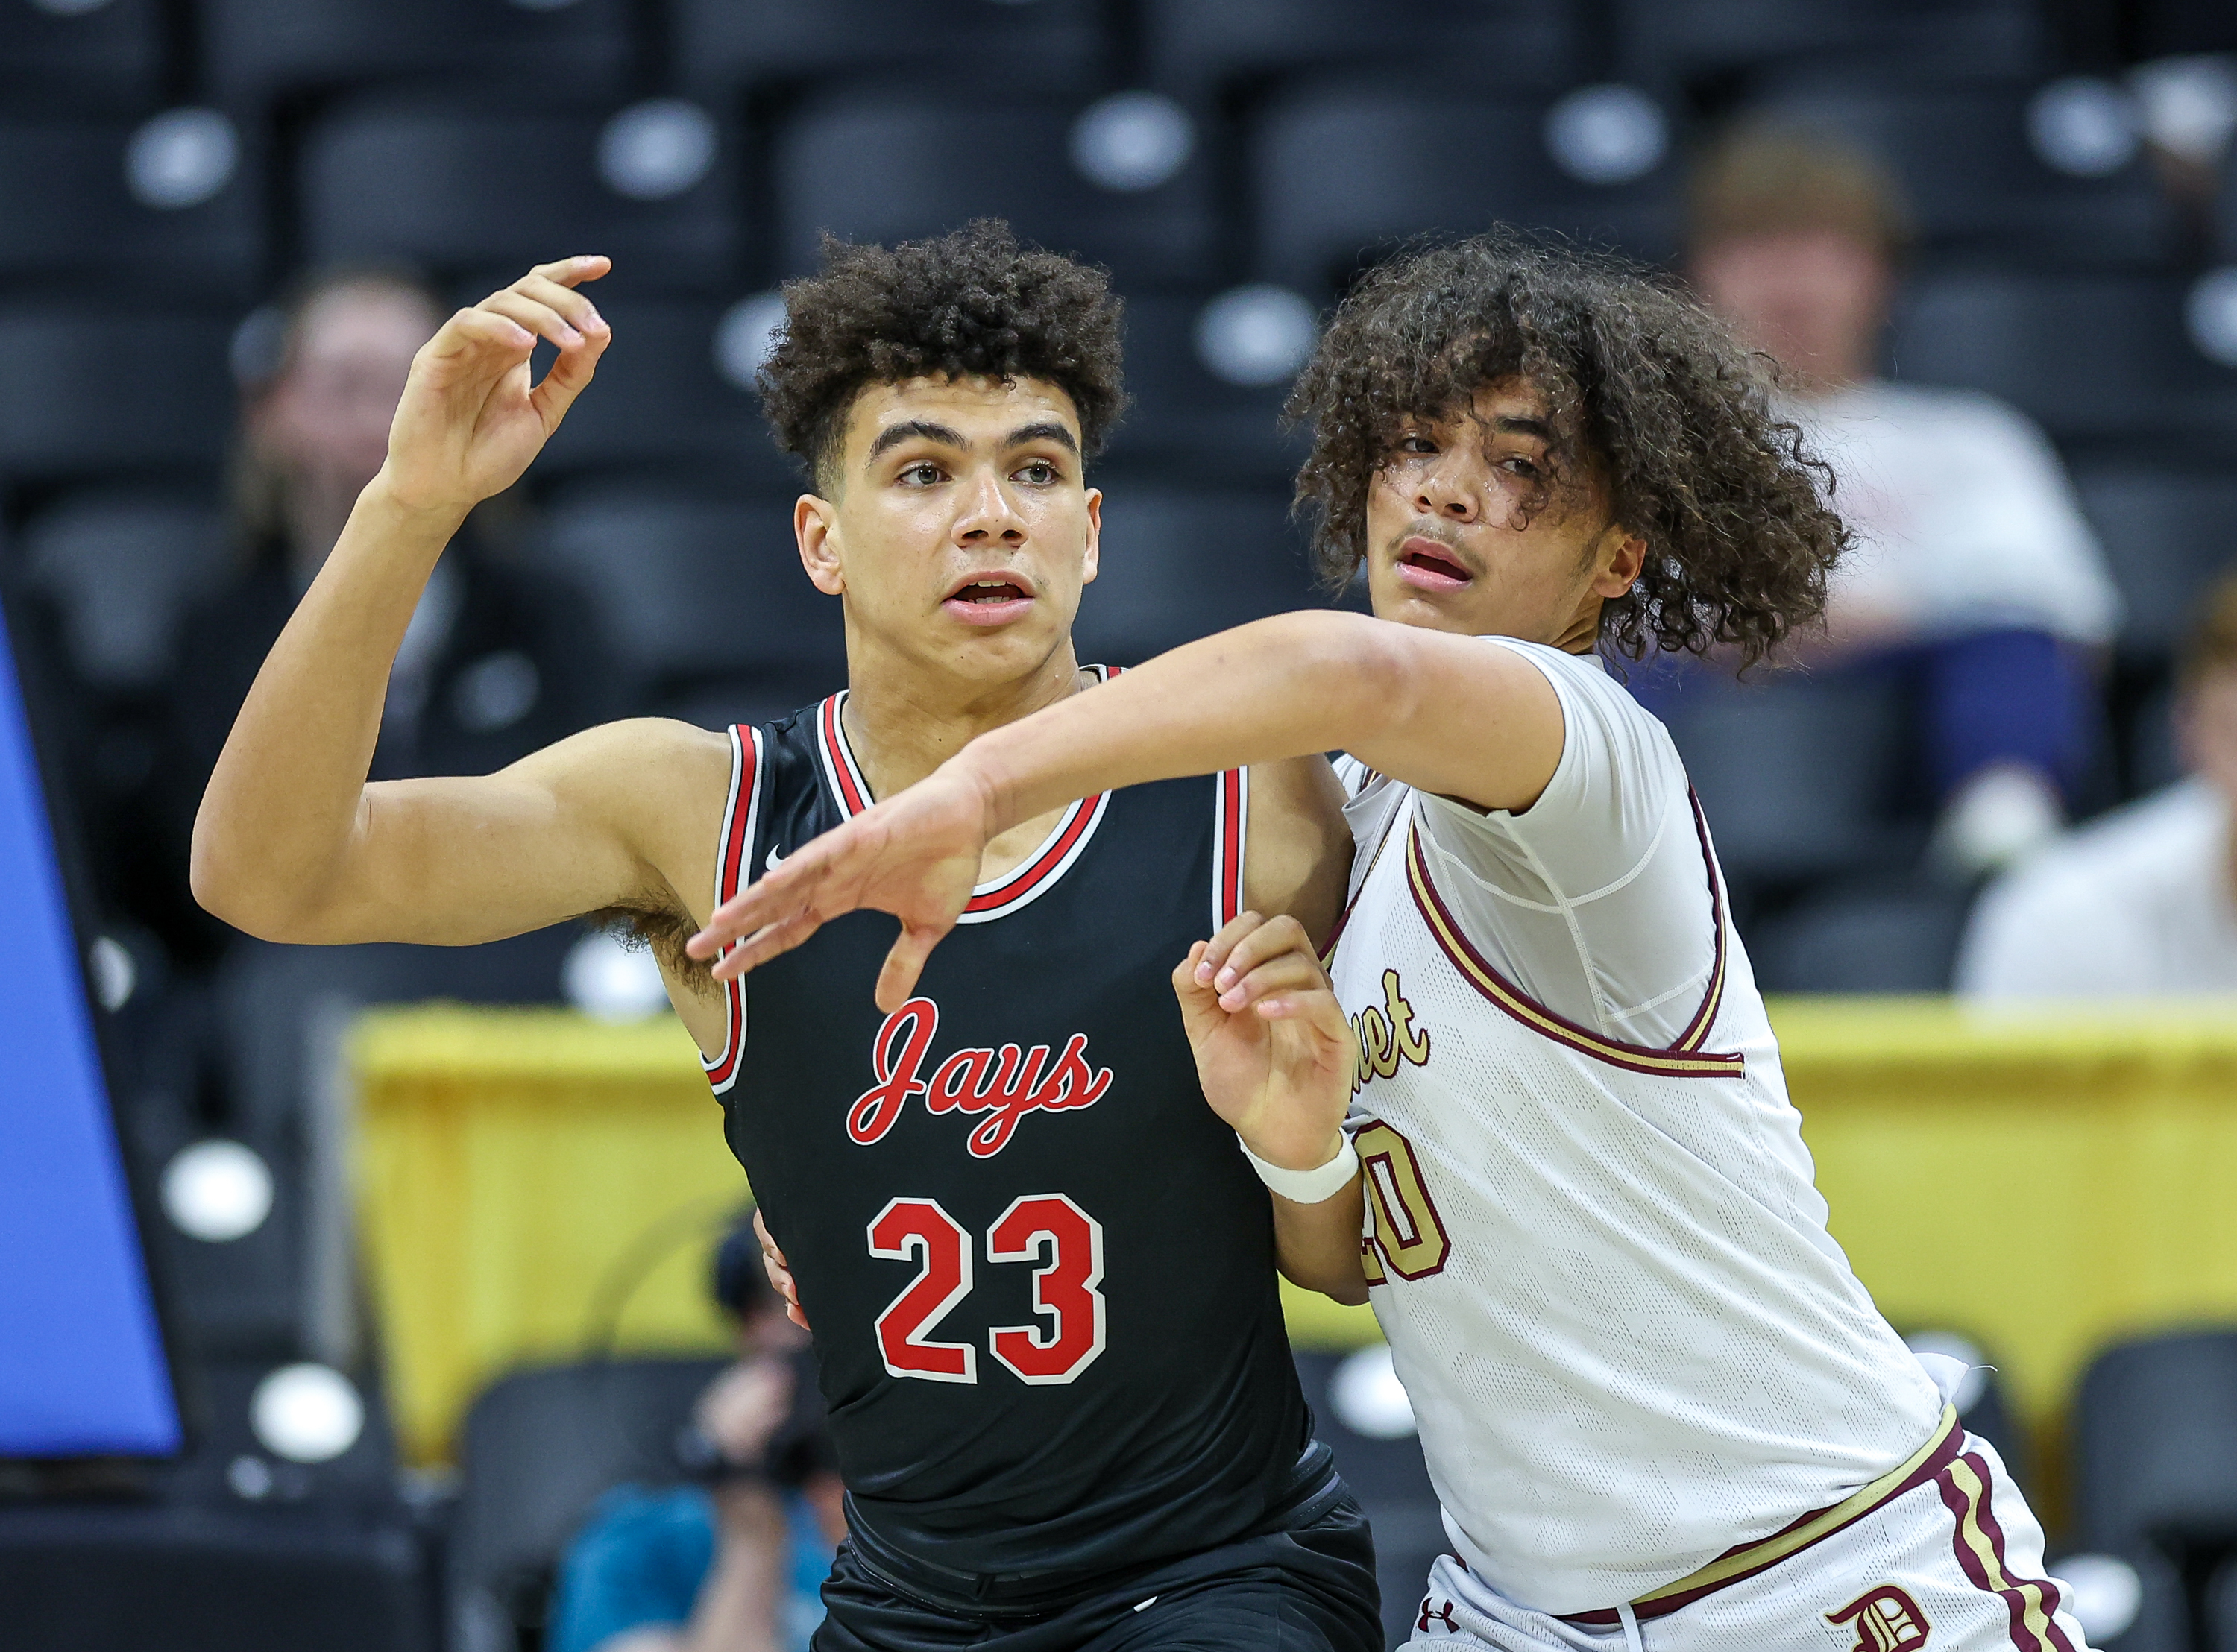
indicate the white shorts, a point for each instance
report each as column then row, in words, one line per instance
column 1954, row 1563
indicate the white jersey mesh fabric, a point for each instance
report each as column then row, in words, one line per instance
column 1629, row 1342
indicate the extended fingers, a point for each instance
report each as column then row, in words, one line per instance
column 567, row 272
column 771, row 940
column 1267, row 939
column 1287, row 972
column 539, row 317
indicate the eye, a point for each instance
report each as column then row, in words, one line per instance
column 1528, row 469
column 1414, row 442
column 923, row 474
column 1037, row 473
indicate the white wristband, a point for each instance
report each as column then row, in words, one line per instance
column 1307, row 1187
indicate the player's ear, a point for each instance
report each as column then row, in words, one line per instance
column 1094, row 557
column 815, row 525
column 1621, row 555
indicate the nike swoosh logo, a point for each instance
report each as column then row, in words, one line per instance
column 774, row 855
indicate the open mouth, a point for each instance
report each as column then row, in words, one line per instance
column 990, row 599
column 1429, row 566
column 991, row 590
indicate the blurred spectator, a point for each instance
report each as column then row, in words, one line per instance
column 496, row 662
column 734, row 1564
column 1974, row 577
column 2144, row 900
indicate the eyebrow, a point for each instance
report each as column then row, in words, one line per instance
column 1047, row 431
column 1506, row 424
column 920, row 429
column 909, row 430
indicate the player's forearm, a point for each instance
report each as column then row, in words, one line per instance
column 273, row 837
column 1317, row 1246
column 1283, row 687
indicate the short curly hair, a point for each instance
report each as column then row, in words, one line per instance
column 1648, row 394
column 974, row 303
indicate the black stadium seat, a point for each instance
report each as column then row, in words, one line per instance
column 2169, row 534
column 470, row 191
column 1971, row 163
column 2156, row 1466
column 877, row 164
column 722, row 46
column 256, row 51
column 1340, row 170
column 535, row 1451
column 662, row 402
column 2099, row 359
column 1869, row 936
column 1706, row 39
column 1793, row 771
column 698, row 590
column 194, row 1580
column 1187, row 423
column 70, row 215
column 1198, row 48
column 2155, row 1437
column 87, row 393
column 1180, row 564
column 123, row 567
column 82, row 58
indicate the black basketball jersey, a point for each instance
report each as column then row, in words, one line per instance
column 1039, row 1270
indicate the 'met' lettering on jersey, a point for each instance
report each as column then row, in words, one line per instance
column 1385, row 1036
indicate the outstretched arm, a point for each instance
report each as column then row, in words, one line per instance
column 291, row 843
column 1443, row 713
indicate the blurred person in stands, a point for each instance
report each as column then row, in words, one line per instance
column 732, row 1563
column 496, row 664
column 2144, row 900
column 1974, row 577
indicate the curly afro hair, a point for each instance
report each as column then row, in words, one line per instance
column 974, row 303
column 1649, row 396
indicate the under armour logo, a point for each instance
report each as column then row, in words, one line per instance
column 1443, row 1615
column 1886, row 1619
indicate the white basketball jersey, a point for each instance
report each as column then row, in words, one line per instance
column 1602, row 1265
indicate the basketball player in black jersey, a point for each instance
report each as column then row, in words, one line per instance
column 1039, row 1275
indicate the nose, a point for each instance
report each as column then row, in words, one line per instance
column 990, row 516
column 1446, row 491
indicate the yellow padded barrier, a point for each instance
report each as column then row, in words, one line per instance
column 533, row 1184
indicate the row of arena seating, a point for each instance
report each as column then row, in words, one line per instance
column 244, row 53
column 2048, row 174
column 289, row 1525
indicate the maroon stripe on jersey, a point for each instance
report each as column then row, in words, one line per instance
column 1775, row 1550
column 1697, row 1029
column 1970, row 1504
column 1504, row 994
column 1075, row 825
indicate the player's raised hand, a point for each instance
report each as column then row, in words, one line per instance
column 471, row 418
column 915, row 855
column 1273, row 1048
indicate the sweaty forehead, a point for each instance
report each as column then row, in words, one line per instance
column 981, row 411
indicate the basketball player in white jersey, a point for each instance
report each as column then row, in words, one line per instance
column 1659, row 1409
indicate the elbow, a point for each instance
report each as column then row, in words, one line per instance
column 225, row 885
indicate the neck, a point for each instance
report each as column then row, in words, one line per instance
column 903, row 721
column 1583, row 633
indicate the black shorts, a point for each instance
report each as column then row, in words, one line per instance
column 1306, row 1586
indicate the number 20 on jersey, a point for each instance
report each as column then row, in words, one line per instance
column 1045, row 1228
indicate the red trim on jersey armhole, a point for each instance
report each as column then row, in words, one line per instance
column 1697, row 1029
column 1230, row 804
column 840, row 761
column 1022, row 883
column 737, row 844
